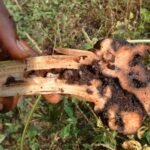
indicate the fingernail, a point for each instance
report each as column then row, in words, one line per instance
column 25, row 48
column 22, row 45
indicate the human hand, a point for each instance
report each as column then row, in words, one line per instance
column 10, row 44
column 11, row 47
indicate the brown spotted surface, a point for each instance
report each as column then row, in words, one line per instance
column 121, row 67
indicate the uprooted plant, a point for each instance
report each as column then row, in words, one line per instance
column 112, row 76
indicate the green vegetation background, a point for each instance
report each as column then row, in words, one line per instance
column 72, row 124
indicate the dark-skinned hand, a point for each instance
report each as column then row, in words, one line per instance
column 11, row 47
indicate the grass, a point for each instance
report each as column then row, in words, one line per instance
column 72, row 124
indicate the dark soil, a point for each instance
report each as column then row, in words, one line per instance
column 116, row 43
column 11, row 80
column 82, row 76
column 123, row 99
column 137, row 59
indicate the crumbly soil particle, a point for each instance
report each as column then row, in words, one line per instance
column 11, row 80
column 137, row 59
column 82, row 76
column 89, row 91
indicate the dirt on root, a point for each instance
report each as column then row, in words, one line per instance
column 82, row 76
column 125, row 101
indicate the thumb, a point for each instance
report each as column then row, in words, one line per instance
column 9, row 41
column 20, row 50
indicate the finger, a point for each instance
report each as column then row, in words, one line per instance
column 9, row 40
column 8, row 103
column 52, row 98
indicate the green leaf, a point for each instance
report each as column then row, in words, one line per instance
column 1, row 148
column 147, row 136
column 87, row 46
column 2, row 137
column 33, row 132
column 87, row 146
column 65, row 132
column 145, row 14
column 69, row 111
column 107, row 138
column 74, row 130
column 33, row 144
